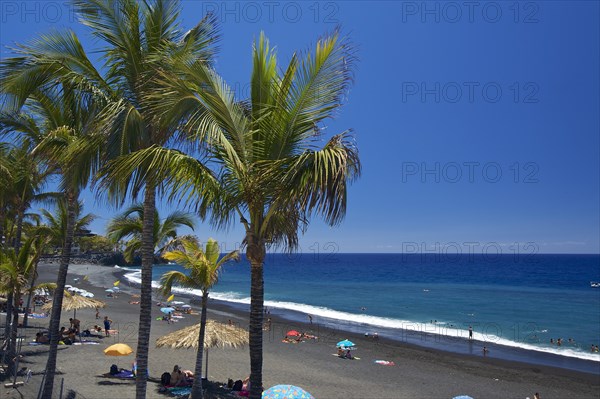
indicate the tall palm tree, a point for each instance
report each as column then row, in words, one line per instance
column 130, row 223
column 6, row 176
column 25, row 186
column 41, row 237
column 139, row 38
column 273, row 166
column 15, row 271
column 56, row 221
column 54, row 121
column 204, row 267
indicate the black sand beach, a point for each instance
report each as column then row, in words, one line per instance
column 418, row 372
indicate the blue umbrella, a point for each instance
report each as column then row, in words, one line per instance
column 167, row 310
column 462, row 397
column 286, row 392
column 345, row 344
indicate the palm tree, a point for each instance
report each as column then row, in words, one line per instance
column 140, row 38
column 130, row 223
column 273, row 166
column 15, row 271
column 25, row 183
column 53, row 123
column 41, row 237
column 56, row 221
column 204, row 267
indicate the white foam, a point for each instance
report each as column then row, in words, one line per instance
column 439, row 328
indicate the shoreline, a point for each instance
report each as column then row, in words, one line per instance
column 417, row 371
column 422, row 339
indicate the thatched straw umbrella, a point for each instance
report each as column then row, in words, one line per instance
column 217, row 335
column 74, row 302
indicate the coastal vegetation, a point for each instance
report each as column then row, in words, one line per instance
column 157, row 122
column 203, row 266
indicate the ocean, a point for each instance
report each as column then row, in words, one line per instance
column 514, row 304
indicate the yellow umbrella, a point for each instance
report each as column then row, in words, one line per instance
column 169, row 299
column 118, row 350
column 116, row 283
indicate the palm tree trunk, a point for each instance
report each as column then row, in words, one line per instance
column 11, row 328
column 146, row 291
column 9, row 310
column 28, row 304
column 2, row 220
column 19, row 232
column 256, row 255
column 58, row 296
column 12, row 342
column 197, row 387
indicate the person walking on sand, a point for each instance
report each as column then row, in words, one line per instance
column 470, row 332
column 97, row 312
column 310, row 319
column 107, row 323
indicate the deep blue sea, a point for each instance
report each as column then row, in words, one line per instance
column 515, row 302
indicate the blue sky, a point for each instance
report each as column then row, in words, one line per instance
column 478, row 125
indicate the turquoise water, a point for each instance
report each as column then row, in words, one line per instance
column 514, row 302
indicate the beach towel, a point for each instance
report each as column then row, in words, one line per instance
column 178, row 391
column 124, row 374
column 385, row 362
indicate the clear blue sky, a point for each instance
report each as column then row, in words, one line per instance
column 478, row 126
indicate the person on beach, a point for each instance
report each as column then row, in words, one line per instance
column 245, row 387
column 107, row 323
column 470, row 332
column 310, row 319
column 536, row 396
column 485, row 351
column 41, row 338
column 97, row 312
column 177, row 377
column 75, row 324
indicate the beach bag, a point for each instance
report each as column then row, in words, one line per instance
column 114, row 369
column 237, row 386
column 165, row 379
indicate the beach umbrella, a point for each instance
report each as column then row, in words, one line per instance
column 216, row 335
column 169, row 299
column 167, row 310
column 118, row 350
column 116, row 283
column 292, row 333
column 345, row 344
column 109, row 290
column 286, row 392
column 177, row 303
column 186, row 306
column 462, row 397
column 75, row 302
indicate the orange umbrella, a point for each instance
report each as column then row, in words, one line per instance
column 118, row 350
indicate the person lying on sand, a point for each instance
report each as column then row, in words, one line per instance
column 41, row 338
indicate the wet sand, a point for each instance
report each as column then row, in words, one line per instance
column 418, row 372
